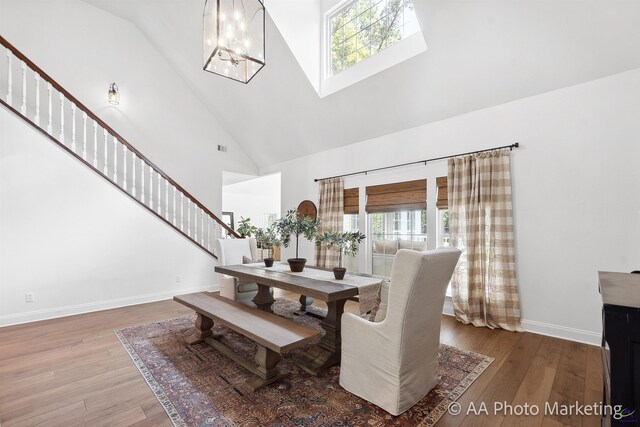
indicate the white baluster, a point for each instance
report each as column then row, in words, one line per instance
column 50, row 120
column 150, row 188
column 95, row 144
column 36, row 118
column 133, row 174
column 115, row 160
column 159, row 194
column 194, row 234
column 73, row 127
column 23, row 107
column 174, row 205
column 9, row 78
column 142, row 180
column 181, row 211
column 124, row 167
column 189, row 217
column 166, row 200
column 201, row 227
column 61, row 117
column 208, row 233
column 84, row 136
column 105, row 171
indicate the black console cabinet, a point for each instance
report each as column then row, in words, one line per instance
column 620, row 341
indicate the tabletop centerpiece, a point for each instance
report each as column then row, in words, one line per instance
column 293, row 224
column 267, row 238
column 346, row 243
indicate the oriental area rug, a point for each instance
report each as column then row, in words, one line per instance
column 199, row 386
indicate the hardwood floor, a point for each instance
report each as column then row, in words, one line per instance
column 74, row 371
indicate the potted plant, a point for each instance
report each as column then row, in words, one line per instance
column 267, row 238
column 346, row 243
column 293, row 224
column 245, row 229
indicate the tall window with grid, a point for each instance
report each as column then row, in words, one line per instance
column 362, row 28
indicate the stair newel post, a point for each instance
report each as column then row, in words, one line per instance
column 115, row 160
column 174, row 205
column 9, row 78
column 105, row 171
column 61, row 117
column 95, row 144
column 142, row 180
column 124, row 167
column 23, row 106
column 133, row 174
column 84, row 136
column 73, row 127
column 181, row 211
column 36, row 118
column 50, row 111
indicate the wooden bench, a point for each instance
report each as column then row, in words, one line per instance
column 273, row 334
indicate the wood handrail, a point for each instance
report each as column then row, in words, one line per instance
column 113, row 133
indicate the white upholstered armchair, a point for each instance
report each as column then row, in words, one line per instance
column 230, row 252
column 393, row 361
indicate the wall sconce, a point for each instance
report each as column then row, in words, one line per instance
column 114, row 95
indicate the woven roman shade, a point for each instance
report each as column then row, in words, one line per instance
column 352, row 201
column 443, row 196
column 400, row 196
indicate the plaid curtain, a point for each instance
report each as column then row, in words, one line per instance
column 331, row 212
column 484, row 285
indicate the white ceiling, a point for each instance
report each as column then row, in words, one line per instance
column 481, row 53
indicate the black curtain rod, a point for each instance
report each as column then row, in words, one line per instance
column 510, row 147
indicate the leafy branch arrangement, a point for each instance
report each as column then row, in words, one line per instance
column 245, row 229
column 346, row 243
column 292, row 225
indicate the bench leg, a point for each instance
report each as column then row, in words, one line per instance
column 203, row 330
column 267, row 370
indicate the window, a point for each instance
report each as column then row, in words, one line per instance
column 270, row 218
column 350, row 223
column 388, row 235
column 362, row 28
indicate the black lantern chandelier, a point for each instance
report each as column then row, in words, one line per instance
column 234, row 38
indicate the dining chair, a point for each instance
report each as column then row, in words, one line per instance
column 230, row 252
column 392, row 361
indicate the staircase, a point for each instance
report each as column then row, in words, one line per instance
column 39, row 100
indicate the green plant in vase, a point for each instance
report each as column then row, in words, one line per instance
column 294, row 225
column 267, row 238
column 245, row 229
column 346, row 243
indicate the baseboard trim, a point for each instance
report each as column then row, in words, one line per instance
column 541, row 328
column 564, row 332
column 72, row 310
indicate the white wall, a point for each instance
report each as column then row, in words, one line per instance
column 253, row 199
column 76, row 242
column 576, row 189
column 85, row 49
column 66, row 235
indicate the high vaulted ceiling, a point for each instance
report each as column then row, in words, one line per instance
column 480, row 53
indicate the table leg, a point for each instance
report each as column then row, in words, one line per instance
column 327, row 352
column 263, row 299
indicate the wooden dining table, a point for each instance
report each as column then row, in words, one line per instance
column 327, row 352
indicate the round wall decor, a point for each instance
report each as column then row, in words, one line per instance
column 307, row 208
